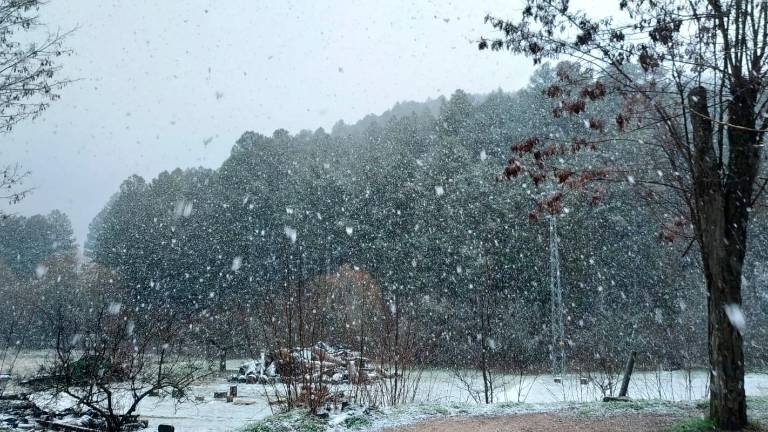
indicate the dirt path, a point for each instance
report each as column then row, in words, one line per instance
column 548, row 422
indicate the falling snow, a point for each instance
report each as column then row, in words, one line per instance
column 736, row 316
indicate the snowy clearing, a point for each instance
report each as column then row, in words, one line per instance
column 439, row 394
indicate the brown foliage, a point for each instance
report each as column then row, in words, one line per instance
column 552, row 150
column 621, row 121
column 513, row 168
column 537, row 177
column 525, row 146
column 648, row 61
column 596, row 124
column 563, row 175
column 553, row 204
column 574, row 106
column 594, row 92
column 577, row 144
column 553, row 91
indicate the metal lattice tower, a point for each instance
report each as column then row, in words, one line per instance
column 557, row 352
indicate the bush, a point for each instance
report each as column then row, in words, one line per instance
column 357, row 422
column 293, row 421
column 693, row 425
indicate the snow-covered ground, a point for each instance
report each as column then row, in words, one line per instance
column 205, row 415
column 439, row 389
column 439, row 385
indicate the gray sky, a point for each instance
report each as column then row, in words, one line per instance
column 158, row 78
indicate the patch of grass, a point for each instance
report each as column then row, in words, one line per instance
column 357, row 422
column 591, row 409
column 293, row 421
column 459, row 408
column 434, row 409
column 703, row 404
column 512, row 405
column 693, row 425
column 757, row 408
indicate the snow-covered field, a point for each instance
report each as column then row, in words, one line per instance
column 438, row 388
column 438, row 385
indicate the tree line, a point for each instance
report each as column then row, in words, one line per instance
column 392, row 234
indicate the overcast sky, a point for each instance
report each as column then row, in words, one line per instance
column 158, row 79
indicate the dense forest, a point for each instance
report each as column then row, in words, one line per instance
column 392, row 235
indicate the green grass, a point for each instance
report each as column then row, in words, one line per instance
column 591, row 409
column 693, row 425
column 434, row 409
column 520, row 405
column 357, row 422
column 757, row 408
column 293, row 421
column 757, row 411
column 703, row 404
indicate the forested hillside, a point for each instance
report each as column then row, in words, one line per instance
column 392, row 235
column 398, row 224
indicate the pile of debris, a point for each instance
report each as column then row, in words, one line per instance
column 18, row 412
column 320, row 363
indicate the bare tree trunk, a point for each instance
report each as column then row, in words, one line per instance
column 397, row 345
column 721, row 209
column 222, row 360
column 627, row 375
column 728, row 408
column 484, row 325
column 484, row 366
